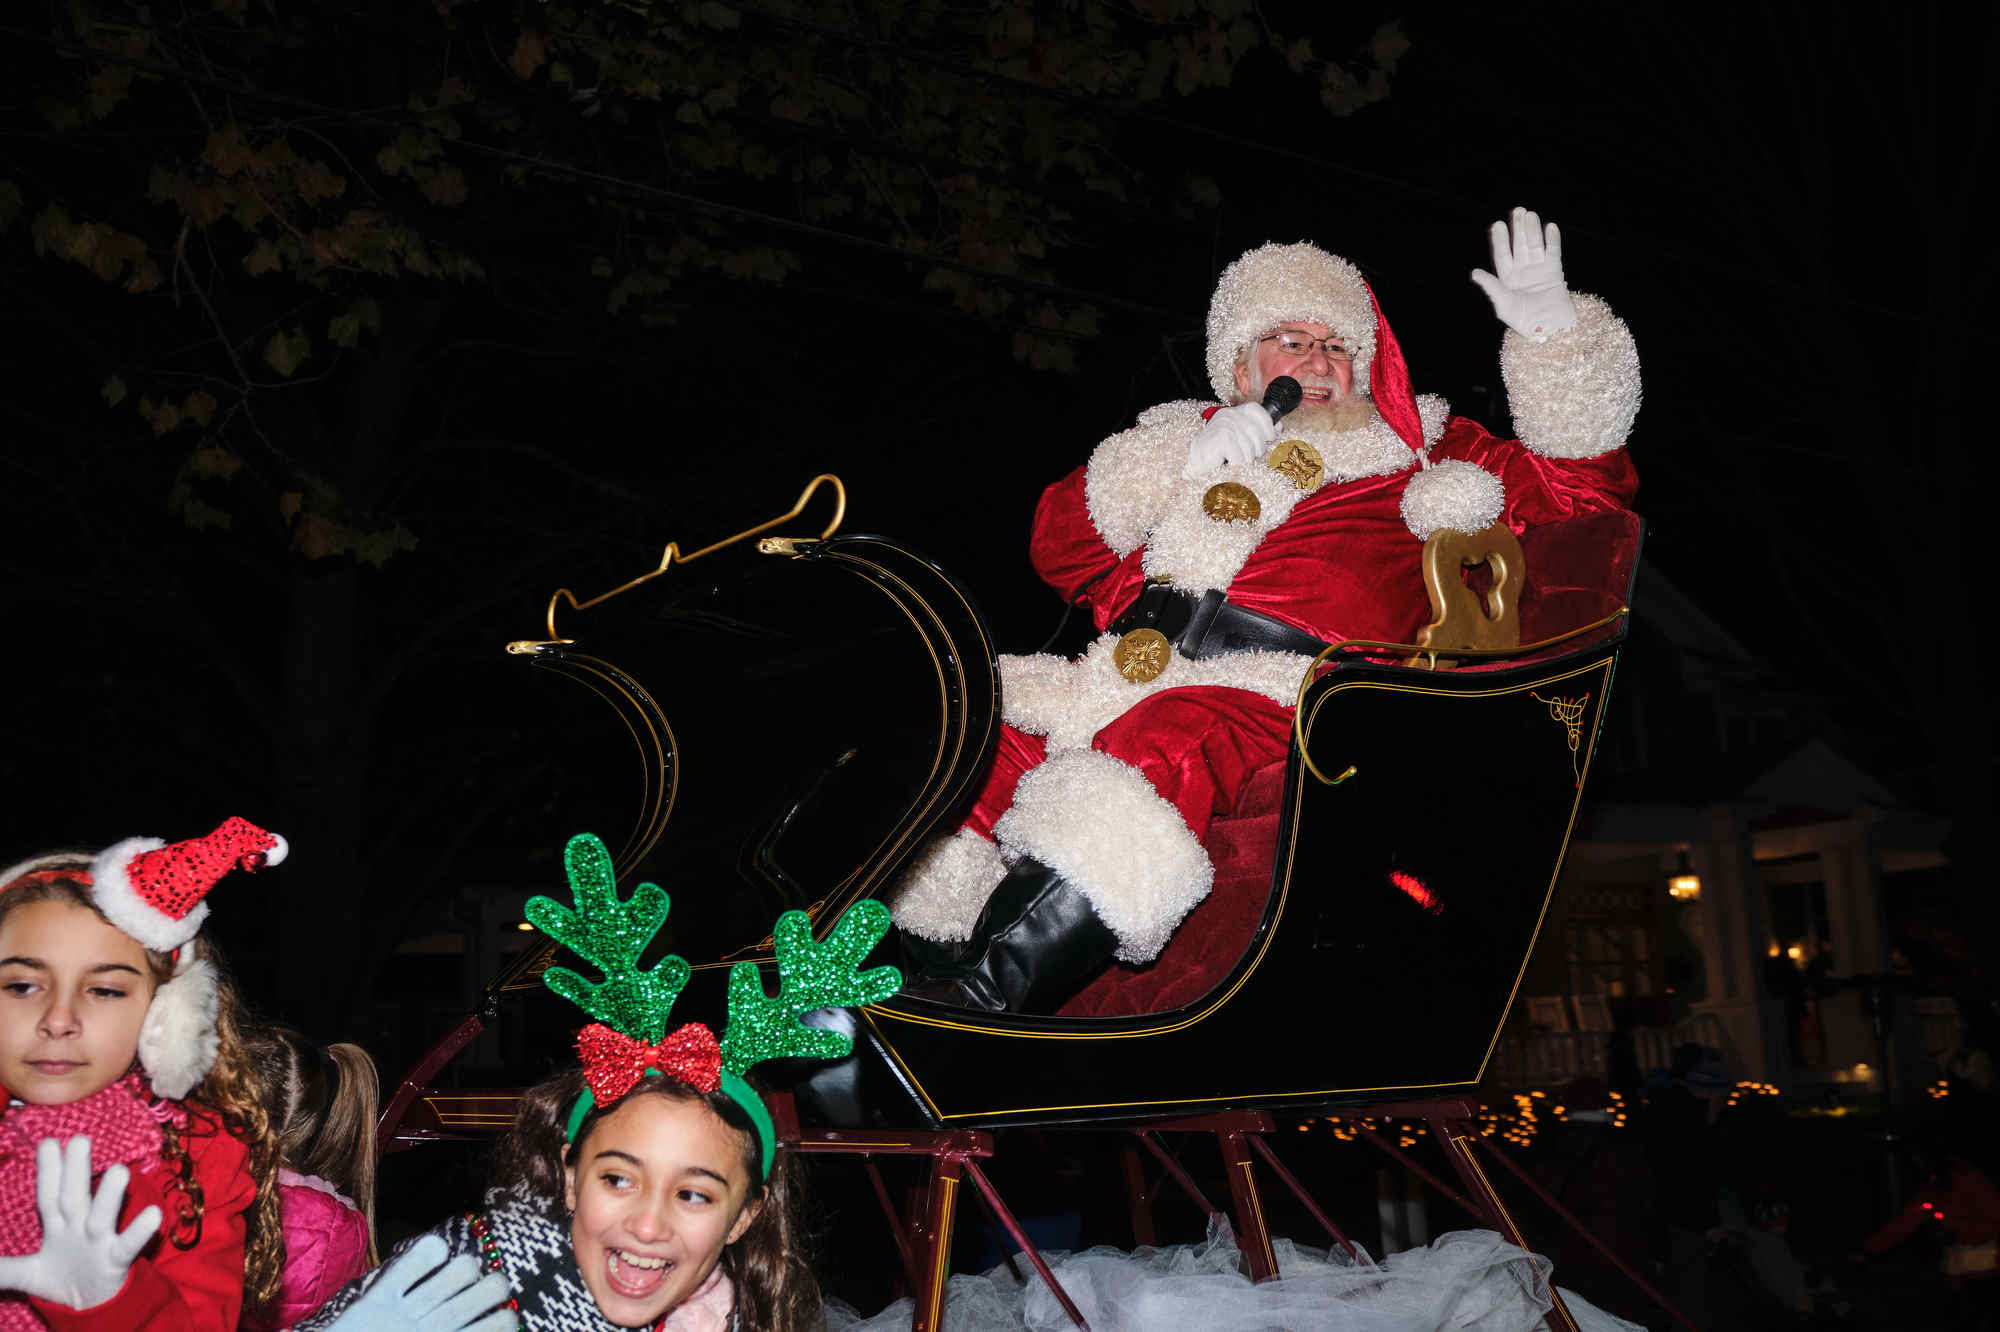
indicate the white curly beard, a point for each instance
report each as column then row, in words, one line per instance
column 1338, row 417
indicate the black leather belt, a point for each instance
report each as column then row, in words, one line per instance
column 1211, row 626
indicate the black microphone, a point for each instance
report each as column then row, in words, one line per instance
column 1281, row 395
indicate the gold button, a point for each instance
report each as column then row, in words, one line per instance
column 1231, row 502
column 1142, row 654
column 1300, row 461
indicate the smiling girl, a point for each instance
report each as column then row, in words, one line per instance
column 657, row 1215
column 645, row 1189
column 121, row 1063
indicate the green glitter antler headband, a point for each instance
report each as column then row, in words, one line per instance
column 629, row 1039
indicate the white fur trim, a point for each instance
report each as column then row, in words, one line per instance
column 280, row 848
column 1576, row 394
column 123, row 906
column 1273, row 283
column 1454, row 494
column 1198, row 552
column 1138, row 497
column 1132, row 475
column 1071, row 701
column 178, row 1040
column 1373, row 449
column 1100, row 824
column 941, row 894
column 1433, row 414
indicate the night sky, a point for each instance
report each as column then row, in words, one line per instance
column 1780, row 203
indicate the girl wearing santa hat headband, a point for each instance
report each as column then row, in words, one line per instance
column 137, row 1167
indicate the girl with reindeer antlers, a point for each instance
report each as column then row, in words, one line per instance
column 643, row 1188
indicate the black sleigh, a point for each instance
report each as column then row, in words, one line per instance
column 783, row 718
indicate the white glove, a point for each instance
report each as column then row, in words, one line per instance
column 1529, row 294
column 1241, row 434
column 453, row 1298
column 84, row 1257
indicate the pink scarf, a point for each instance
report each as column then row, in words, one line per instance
column 707, row 1310
column 123, row 1122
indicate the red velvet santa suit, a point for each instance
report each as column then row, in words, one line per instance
column 170, row 1289
column 1115, row 783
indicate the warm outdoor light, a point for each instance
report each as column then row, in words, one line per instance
column 523, row 925
column 1796, row 953
column 1685, row 886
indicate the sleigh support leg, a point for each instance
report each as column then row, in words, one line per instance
column 932, row 1239
column 1006, row 1218
column 1252, row 1233
column 1139, row 1197
column 1456, row 1136
column 1580, row 1229
column 1291, row 1182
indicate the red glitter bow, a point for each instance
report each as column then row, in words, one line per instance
column 613, row 1062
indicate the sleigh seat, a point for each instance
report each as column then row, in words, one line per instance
column 1558, row 577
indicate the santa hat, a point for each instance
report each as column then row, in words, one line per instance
column 1274, row 283
column 154, row 892
column 1301, row 282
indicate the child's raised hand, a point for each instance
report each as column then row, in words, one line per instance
column 84, row 1256
column 415, row 1294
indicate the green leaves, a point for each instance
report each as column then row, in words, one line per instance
column 346, row 328
column 610, row 934
column 286, row 350
column 109, row 253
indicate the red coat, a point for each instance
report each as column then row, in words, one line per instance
column 171, row 1289
column 1342, row 564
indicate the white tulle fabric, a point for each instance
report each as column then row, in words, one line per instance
column 1467, row 1279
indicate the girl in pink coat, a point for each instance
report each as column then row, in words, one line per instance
column 322, row 1103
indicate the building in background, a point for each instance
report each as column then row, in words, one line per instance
column 1735, row 881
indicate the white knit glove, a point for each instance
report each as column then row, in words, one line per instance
column 84, row 1256
column 1241, row 434
column 409, row 1296
column 1529, row 294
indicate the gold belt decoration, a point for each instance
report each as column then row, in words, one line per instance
column 1231, row 502
column 1142, row 655
column 1300, row 461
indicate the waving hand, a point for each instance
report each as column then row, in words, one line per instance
column 1526, row 286
column 84, row 1256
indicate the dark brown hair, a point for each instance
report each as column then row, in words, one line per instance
column 775, row 1290
column 231, row 1092
column 323, row 1104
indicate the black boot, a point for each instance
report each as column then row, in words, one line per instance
column 1036, row 944
column 920, row 957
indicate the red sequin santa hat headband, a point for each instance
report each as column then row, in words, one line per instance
column 154, row 891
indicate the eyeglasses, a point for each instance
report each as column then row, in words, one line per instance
column 1296, row 343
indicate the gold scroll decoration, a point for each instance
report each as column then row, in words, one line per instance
column 1461, row 618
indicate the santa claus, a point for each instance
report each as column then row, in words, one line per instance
column 1216, row 561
